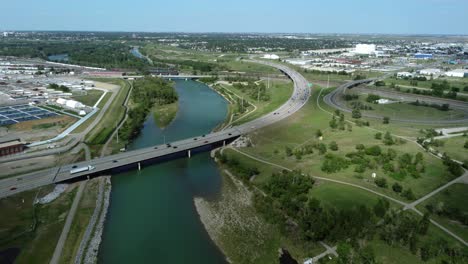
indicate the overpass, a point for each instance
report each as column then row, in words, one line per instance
column 183, row 148
column 172, row 77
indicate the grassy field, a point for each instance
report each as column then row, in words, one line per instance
column 111, row 118
column 38, row 244
column 164, row 114
column 80, row 222
column 406, row 110
column 453, row 197
column 454, row 147
column 90, row 98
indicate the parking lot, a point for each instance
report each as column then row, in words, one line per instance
column 19, row 113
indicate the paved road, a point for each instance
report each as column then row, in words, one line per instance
column 334, row 99
column 29, row 181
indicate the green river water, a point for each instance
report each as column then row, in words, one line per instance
column 152, row 217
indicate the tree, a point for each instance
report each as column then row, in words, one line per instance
column 388, row 140
column 386, row 120
column 319, row 133
column 408, row 194
column 466, row 145
column 396, row 187
column 333, row 123
column 288, row 151
column 378, row 135
column 423, row 225
column 356, row 113
column 360, row 147
column 381, row 207
column 333, row 146
column 381, row 182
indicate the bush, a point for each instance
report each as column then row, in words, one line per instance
column 333, row 146
column 334, row 163
column 381, row 182
column 356, row 114
column 378, row 135
column 386, row 120
column 396, row 187
column 373, row 151
column 408, row 194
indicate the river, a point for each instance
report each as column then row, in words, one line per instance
column 152, row 218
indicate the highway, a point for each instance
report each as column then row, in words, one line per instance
column 334, row 99
column 300, row 95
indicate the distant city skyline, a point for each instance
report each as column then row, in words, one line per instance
column 437, row 17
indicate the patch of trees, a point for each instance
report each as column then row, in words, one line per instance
column 449, row 211
column 453, row 167
column 57, row 87
column 360, row 106
column 371, row 98
column 334, row 163
column 239, row 78
column 443, row 107
column 349, row 97
column 146, row 92
column 338, row 121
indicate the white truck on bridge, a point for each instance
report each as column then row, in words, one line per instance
column 82, row 169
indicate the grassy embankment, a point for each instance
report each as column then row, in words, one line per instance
column 80, row 222
column 116, row 111
column 90, row 98
column 33, row 229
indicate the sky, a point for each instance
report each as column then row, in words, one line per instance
column 268, row 16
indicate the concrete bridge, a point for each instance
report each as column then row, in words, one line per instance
column 183, row 148
column 171, row 77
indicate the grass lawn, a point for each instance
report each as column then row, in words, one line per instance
column 111, row 118
column 38, row 245
column 455, row 196
column 164, row 114
column 80, row 222
column 90, row 98
column 406, row 110
column 457, row 82
column 454, row 147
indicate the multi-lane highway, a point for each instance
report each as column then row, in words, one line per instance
column 299, row 97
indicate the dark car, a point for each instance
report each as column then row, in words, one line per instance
column 13, row 188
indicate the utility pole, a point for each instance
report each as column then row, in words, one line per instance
column 117, row 135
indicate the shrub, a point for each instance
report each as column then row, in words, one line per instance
column 333, row 146
column 396, row 187
column 381, row 182
column 378, row 135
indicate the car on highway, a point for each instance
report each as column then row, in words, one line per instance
column 13, row 188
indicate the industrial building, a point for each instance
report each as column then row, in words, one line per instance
column 460, row 73
column 423, row 56
column 365, row 49
column 270, row 56
column 10, row 147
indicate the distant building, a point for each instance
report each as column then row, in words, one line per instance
column 404, row 75
column 10, row 147
column 365, row 49
column 299, row 62
column 460, row 73
column 69, row 103
column 271, row 57
column 430, row 72
column 423, row 56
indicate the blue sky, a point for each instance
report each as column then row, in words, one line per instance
column 310, row 16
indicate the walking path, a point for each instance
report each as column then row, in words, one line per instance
column 329, row 251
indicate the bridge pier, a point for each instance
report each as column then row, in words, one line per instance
column 189, row 153
column 139, row 166
column 224, row 143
